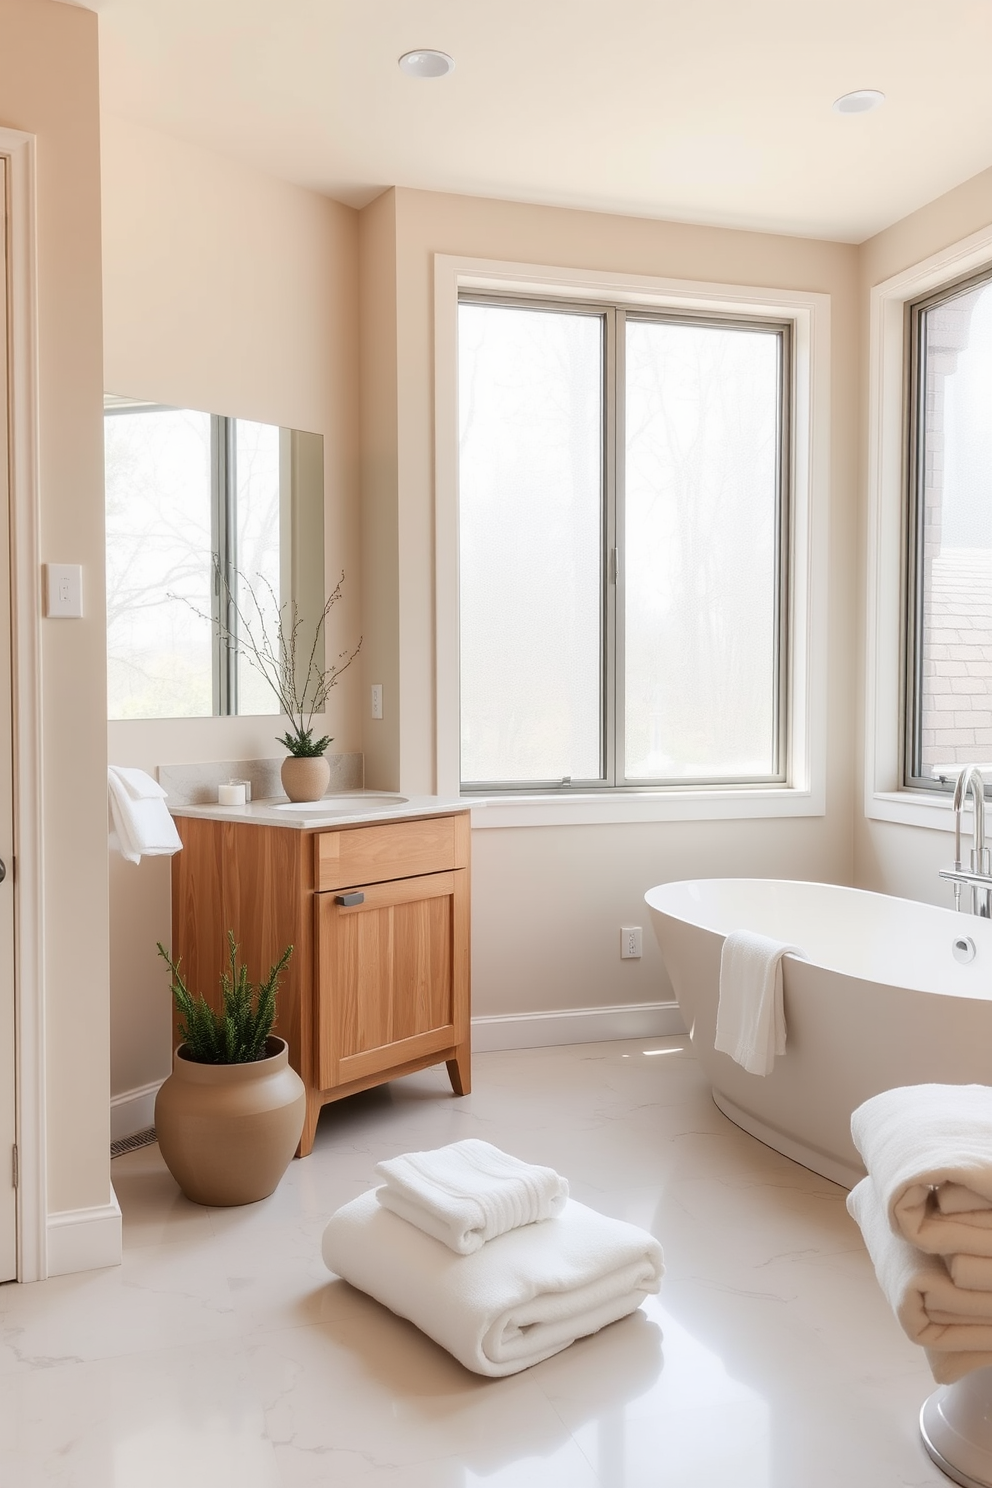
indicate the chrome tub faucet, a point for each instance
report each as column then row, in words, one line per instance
column 978, row 877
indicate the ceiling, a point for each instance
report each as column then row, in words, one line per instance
column 714, row 111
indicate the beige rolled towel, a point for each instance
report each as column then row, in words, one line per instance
column 928, row 1149
column 954, row 1325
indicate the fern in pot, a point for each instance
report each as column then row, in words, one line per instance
column 230, row 1116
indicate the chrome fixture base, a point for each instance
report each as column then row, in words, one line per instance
column 956, row 1426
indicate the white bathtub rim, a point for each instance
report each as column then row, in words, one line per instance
column 974, row 985
column 844, row 1174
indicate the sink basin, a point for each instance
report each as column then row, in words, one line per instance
column 342, row 805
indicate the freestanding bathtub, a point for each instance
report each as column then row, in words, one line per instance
column 887, row 997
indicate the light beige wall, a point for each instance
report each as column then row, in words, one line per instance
column 49, row 88
column 890, row 857
column 380, row 483
column 548, row 902
column 230, row 291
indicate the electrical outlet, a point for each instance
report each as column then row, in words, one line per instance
column 376, row 699
column 630, row 942
column 63, row 591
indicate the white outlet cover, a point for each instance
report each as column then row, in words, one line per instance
column 63, row 591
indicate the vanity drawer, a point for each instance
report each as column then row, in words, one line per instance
column 375, row 854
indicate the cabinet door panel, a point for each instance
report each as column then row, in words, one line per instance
column 390, row 973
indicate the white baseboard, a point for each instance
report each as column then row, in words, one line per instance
column 576, row 1026
column 133, row 1110
column 84, row 1239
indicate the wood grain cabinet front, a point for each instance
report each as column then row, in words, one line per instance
column 379, row 982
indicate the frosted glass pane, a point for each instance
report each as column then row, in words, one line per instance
column 159, row 662
column 956, row 701
column 530, row 405
column 256, row 451
column 700, row 543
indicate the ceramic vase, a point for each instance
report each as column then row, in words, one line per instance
column 305, row 777
column 228, row 1132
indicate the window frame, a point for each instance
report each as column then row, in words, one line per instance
column 912, row 635
column 887, row 798
column 803, row 790
column 612, row 586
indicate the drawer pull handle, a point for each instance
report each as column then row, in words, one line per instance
column 349, row 899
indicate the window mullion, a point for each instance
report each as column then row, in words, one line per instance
column 224, row 529
column 615, row 670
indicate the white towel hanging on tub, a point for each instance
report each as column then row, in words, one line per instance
column 142, row 825
column 750, row 1019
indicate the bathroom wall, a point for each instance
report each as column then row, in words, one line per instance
column 230, row 291
column 548, row 902
column 49, row 88
column 889, row 856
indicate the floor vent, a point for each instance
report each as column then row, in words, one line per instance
column 131, row 1144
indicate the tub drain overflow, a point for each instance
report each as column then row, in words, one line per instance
column 963, row 949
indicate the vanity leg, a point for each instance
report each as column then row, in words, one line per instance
column 314, row 1108
column 460, row 1070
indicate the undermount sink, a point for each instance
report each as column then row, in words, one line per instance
column 339, row 805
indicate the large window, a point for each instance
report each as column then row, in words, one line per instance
column 949, row 627
column 623, row 514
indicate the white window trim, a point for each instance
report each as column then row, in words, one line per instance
column 804, row 794
column 886, row 798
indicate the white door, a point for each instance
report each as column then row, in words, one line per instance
column 8, row 1197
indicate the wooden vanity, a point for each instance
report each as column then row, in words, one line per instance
column 377, row 913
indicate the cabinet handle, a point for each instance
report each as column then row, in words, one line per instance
column 349, row 899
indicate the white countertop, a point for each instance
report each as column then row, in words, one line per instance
column 332, row 811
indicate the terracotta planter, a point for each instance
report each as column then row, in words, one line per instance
column 228, row 1131
column 305, row 777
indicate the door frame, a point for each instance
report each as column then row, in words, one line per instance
column 18, row 151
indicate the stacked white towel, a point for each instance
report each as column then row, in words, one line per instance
column 468, row 1193
column 142, row 826
column 750, row 1019
column 925, row 1211
column 520, row 1298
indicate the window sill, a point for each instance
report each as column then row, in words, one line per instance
column 600, row 808
column 913, row 809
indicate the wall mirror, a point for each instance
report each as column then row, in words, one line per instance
column 204, row 511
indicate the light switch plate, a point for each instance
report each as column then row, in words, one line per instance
column 63, row 591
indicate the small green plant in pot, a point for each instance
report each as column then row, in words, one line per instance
column 289, row 656
column 230, row 1116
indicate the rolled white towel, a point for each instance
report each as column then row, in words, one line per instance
column 945, row 1319
column 750, row 1018
column 928, row 1149
column 142, row 826
column 469, row 1192
column 526, row 1295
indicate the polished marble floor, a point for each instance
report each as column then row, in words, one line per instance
column 221, row 1354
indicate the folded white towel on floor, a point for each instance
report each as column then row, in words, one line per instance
column 750, row 1019
column 142, row 826
column 524, row 1296
column 468, row 1193
column 928, row 1149
column 949, row 1322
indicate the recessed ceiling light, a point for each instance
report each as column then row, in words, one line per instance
column 426, row 63
column 861, row 102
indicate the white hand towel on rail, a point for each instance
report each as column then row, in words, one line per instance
column 469, row 1192
column 955, row 1326
column 750, row 1019
column 928, row 1149
column 526, row 1295
column 141, row 821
